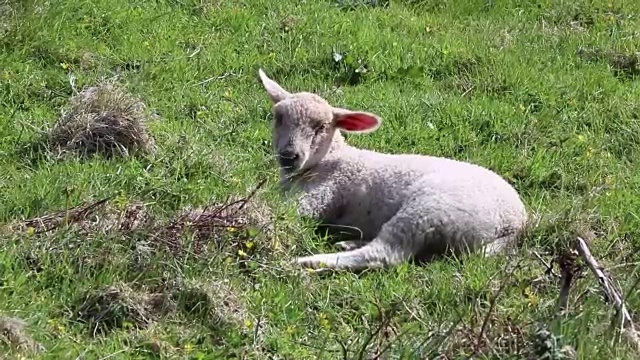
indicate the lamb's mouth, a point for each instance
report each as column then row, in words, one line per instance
column 292, row 169
column 296, row 169
column 290, row 162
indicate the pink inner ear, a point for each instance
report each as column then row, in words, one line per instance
column 356, row 122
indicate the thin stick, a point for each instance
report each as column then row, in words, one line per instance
column 627, row 327
column 545, row 263
column 214, row 78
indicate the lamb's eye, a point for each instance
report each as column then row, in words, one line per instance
column 320, row 128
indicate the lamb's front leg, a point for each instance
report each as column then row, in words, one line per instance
column 358, row 259
column 399, row 240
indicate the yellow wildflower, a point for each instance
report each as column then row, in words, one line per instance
column 290, row 329
column 324, row 322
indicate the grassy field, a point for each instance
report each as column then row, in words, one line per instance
column 545, row 92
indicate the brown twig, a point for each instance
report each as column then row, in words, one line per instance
column 242, row 202
column 256, row 331
column 343, row 347
column 390, row 343
column 627, row 326
column 568, row 270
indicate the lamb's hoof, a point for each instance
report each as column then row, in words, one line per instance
column 312, row 267
column 318, row 261
column 350, row 245
column 320, row 271
column 309, row 262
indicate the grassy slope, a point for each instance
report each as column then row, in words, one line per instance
column 501, row 86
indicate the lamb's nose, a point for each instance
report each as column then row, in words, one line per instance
column 288, row 159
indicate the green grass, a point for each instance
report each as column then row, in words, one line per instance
column 498, row 83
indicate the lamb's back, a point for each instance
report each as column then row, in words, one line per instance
column 449, row 187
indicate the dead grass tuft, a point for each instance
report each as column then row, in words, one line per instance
column 502, row 336
column 217, row 224
column 134, row 216
column 215, row 303
column 13, row 333
column 49, row 222
column 219, row 306
column 622, row 64
column 103, row 119
column 192, row 231
column 119, row 306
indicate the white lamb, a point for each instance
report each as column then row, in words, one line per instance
column 407, row 207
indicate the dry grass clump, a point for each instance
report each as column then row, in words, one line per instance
column 215, row 303
column 103, row 119
column 216, row 224
column 500, row 335
column 195, row 231
column 623, row 64
column 119, row 306
column 13, row 334
column 76, row 215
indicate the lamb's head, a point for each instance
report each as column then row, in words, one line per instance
column 305, row 125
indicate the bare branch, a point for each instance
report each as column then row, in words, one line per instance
column 627, row 326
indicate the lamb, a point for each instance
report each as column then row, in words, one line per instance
column 407, row 206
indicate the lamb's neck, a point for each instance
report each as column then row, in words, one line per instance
column 338, row 149
column 338, row 145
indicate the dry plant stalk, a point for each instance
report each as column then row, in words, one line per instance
column 627, row 326
column 568, row 270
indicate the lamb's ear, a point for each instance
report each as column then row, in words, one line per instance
column 355, row 121
column 275, row 91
